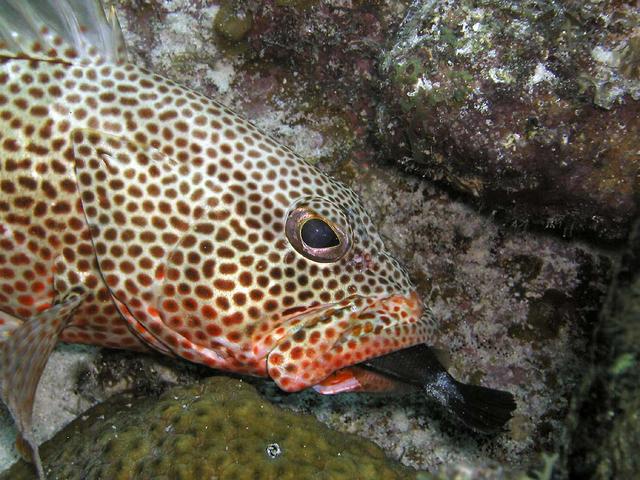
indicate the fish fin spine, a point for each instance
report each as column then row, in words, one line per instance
column 64, row 31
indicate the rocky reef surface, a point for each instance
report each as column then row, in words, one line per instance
column 529, row 107
column 518, row 305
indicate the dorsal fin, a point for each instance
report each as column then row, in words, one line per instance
column 67, row 31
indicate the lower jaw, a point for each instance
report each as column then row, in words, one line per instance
column 382, row 326
column 359, row 379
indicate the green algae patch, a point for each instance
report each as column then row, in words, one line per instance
column 232, row 23
column 220, row 428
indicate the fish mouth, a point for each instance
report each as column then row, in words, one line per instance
column 314, row 344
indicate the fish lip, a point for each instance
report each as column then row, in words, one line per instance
column 311, row 309
column 412, row 300
column 349, row 301
column 320, row 341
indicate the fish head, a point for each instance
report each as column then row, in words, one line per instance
column 352, row 299
column 262, row 265
column 295, row 284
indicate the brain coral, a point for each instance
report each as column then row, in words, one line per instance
column 220, row 428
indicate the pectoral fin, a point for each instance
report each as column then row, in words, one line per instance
column 24, row 351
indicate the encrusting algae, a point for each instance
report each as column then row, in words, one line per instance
column 220, row 428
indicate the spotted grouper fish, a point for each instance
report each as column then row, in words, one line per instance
column 136, row 213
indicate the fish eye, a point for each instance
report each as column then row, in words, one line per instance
column 316, row 233
column 316, row 237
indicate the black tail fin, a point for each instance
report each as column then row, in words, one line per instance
column 480, row 408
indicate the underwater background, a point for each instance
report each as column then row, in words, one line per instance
column 496, row 146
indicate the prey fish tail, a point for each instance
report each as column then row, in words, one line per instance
column 480, row 408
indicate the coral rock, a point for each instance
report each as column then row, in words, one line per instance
column 220, row 428
column 533, row 109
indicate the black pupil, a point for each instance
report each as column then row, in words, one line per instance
column 317, row 234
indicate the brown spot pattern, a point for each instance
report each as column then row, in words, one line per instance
column 168, row 211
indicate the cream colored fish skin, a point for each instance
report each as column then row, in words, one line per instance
column 180, row 224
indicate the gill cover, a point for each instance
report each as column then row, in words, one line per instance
column 133, row 197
